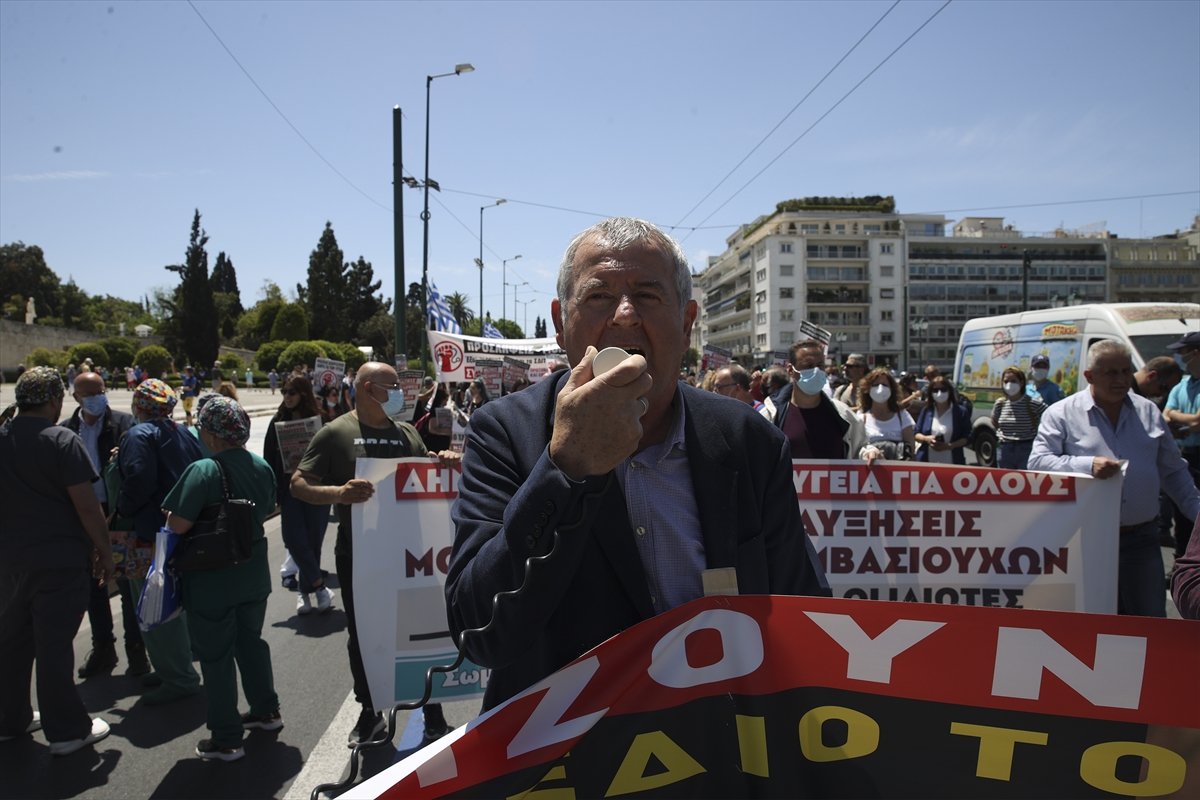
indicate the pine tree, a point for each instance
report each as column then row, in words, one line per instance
column 195, row 314
column 363, row 303
column 326, row 293
column 226, row 297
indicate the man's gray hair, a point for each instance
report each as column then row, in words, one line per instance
column 621, row 233
column 1107, row 347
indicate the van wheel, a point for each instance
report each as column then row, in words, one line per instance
column 985, row 447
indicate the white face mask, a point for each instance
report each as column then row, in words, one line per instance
column 941, row 396
column 880, row 393
column 1040, row 374
column 1012, row 388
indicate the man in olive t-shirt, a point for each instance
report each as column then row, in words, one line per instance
column 326, row 475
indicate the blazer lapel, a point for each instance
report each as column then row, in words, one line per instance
column 613, row 533
column 714, row 484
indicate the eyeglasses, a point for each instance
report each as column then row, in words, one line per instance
column 290, row 392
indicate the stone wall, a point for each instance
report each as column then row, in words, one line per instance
column 17, row 340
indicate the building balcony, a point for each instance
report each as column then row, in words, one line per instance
column 840, row 296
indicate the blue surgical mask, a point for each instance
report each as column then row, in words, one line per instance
column 95, row 405
column 810, row 381
column 394, row 403
column 1181, row 362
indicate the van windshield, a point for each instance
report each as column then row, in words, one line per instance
column 1152, row 345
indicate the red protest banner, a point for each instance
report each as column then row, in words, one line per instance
column 792, row 696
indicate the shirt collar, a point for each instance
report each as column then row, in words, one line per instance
column 654, row 454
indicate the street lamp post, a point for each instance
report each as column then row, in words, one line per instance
column 504, row 288
column 459, row 69
column 479, row 260
column 525, row 307
column 918, row 327
column 839, row 339
column 398, row 234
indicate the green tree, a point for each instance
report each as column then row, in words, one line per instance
column 325, row 295
column 291, row 324
column 154, row 360
column 195, row 311
column 231, row 364
column 305, row 353
column 457, row 303
column 24, row 274
column 362, row 300
column 94, row 350
column 539, row 328
column 45, row 357
column 226, row 297
column 71, row 309
column 121, row 351
column 105, row 314
column 268, row 355
column 510, row 329
column 379, row 332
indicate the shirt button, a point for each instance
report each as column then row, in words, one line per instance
column 641, row 531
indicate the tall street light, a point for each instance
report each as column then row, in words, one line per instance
column 919, row 326
column 479, row 261
column 398, row 305
column 504, row 288
column 459, row 69
column 525, row 307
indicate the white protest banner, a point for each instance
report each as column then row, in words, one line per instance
column 327, row 372
column 402, row 539
column 294, row 437
column 410, row 381
column 811, row 330
column 454, row 355
column 963, row 535
column 490, row 371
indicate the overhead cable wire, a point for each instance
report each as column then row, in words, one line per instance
column 279, row 111
column 786, row 116
column 1063, row 202
column 831, row 109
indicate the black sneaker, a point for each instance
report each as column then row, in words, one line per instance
column 99, row 660
column 211, row 751
column 267, row 722
column 432, row 734
column 370, row 725
column 289, row 582
column 136, row 656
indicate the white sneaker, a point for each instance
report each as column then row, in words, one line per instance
column 303, row 604
column 99, row 731
column 324, row 600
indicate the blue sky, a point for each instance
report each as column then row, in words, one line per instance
column 117, row 119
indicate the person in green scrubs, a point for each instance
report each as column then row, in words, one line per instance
column 226, row 607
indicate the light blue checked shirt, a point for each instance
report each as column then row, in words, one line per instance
column 666, row 523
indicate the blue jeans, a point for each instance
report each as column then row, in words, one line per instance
column 304, row 534
column 1141, row 586
column 1014, row 455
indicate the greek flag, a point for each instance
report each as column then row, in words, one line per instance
column 490, row 331
column 440, row 318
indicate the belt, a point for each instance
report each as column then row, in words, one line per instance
column 1131, row 528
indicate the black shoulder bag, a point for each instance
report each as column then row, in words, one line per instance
column 222, row 537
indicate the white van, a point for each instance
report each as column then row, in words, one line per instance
column 989, row 345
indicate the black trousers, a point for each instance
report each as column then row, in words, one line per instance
column 1183, row 525
column 40, row 613
column 101, row 619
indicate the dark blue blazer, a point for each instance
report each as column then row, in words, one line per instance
column 585, row 579
column 960, row 417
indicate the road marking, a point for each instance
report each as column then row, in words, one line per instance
column 328, row 760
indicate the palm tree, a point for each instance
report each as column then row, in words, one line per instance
column 458, row 309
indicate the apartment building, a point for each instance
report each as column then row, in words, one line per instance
column 1163, row 268
column 818, row 259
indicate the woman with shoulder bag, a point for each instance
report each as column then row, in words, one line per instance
column 1016, row 416
column 226, row 606
column 303, row 525
column 943, row 426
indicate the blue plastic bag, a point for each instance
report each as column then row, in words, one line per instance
column 161, row 600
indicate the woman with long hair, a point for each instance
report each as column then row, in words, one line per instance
column 303, row 524
column 889, row 427
column 1016, row 415
column 944, row 426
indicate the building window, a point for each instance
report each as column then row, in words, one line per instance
column 887, row 271
column 760, row 251
column 761, row 275
column 810, row 227
column 761, row 340
column 787, row 315
column 887, row 294
column 761, row 318
column 786, row 293
column 887, row 248
column 760, row 298
column 787, row 270
column 785, row 247
column 887, row 316
column 886, row 338
column 839, row 228
column 787, row 338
